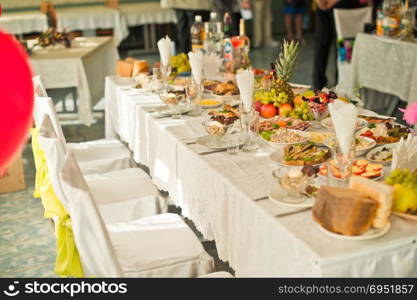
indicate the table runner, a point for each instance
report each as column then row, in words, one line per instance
column 218, row 191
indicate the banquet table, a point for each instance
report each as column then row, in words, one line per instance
column 23, row 22
column 78, row 66
column 225, row 196
column 386, row 66
column 92, row 18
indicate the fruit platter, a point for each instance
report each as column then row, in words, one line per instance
column 405, row 192
column 385, row 133
column 361, row 167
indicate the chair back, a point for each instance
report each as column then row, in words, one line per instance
column 45, row 106
column 90, row 233
column 351, row 21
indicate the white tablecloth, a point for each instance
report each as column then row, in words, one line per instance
column 93, row 17
column 385, row 65
column 23, row 22
column 81, row 66
column 217, row 191
column 146, row 13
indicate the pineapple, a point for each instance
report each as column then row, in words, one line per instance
column 284, row 67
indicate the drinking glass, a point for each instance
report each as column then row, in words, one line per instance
column 165, row 72
column 250, row 127
column 339, row 167
column 233, row 141
column 194, row 93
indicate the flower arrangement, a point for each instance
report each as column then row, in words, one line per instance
column 410, row 114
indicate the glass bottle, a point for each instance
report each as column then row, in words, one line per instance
column 197, row 34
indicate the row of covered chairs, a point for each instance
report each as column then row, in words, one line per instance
column 110, row 220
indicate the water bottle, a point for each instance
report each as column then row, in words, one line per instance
column 197, row 34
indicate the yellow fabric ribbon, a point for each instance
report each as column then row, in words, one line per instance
column 67, row 261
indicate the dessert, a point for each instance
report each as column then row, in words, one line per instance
column 305, row 154
column 380, row 192
column 215, row 128
column 344, row 211
column 295, row 182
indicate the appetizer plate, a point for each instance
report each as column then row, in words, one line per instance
column 166, row 111
column 212, row 142
column 372, row 233
column 211, row 103
column 278, row 157
column 379, row 149
column 370, row 143
column 318, row 137
column 405, row 216
column 327, row 123
column 304, row 134
column 278, row 195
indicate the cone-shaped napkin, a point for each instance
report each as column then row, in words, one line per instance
column 344, row 118
column 164, row 47
column 196, row 63
column 212, row 63
column 404, row 154
column 245, row 81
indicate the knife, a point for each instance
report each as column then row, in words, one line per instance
column 292, row 212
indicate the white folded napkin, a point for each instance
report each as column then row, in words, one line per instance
column 404, row 154
column 245, row 82
column 344, row 117
column 211, row 66
column 164, row 47
column 196, row 63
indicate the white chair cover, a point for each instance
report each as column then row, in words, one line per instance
column 38, row 87
column 351, row 21
column 135, row 195
column 45, row 106
column 158, row 246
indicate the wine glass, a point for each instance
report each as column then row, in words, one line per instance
column 194, row 92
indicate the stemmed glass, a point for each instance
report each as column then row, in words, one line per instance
column 250, row 126
column 194, row 92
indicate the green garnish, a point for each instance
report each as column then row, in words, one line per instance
column 267, row 134
column 276, row 126
column 371, row 125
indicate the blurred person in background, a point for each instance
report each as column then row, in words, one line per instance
column 186, row 10
column 233, row 8
column 262, row 24
column 325, row 35
column 294, row 11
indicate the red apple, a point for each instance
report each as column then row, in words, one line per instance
column 268, row 111
column 284, row 109
column 258, row 106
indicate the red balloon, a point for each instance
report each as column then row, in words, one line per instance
column 16, row 97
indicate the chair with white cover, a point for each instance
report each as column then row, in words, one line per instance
column 38, row 87
column 121, row 195
column 348, row 23
column 94, row 157
column 157, row 246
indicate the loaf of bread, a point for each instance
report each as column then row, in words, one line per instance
column 124, row 69
column 380, row 192
column 344, row 211
column 140, row 66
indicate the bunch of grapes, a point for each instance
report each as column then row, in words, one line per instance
column 404, row 177
column 180, row 62
column 271, row 96
column 301, row 111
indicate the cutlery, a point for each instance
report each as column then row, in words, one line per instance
column 292, row 212
column 261, row 198
column 212, row 151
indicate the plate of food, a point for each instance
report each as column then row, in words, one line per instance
column 277, row 138
column 227, row 115
column 360, row 212
column 363, row 144
column 377, row 118
column 282, row 122
column 211, row 103
column 412, row 217
column 319, row 137
column 226, row 90
column 327, row 123
column 361, row 167
column 385, row 133
column 381, row 155
column 301, row 154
